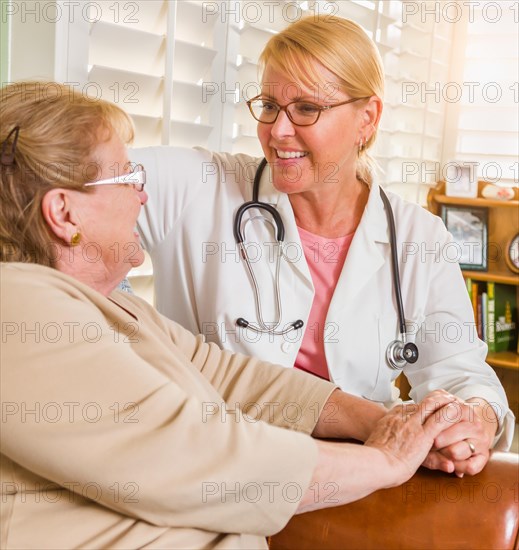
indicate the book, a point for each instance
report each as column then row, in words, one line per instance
column 468, row 282
column 484, row 317
column 474, row 297
column 505, row 312
column 479, row 322
column 491, row 318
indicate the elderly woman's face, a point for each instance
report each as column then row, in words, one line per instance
column 108, row 215
column 325, row 153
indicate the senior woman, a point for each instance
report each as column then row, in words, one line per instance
column 120, row 428
column 323, row 301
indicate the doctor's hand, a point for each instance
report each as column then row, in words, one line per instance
column 464, row 447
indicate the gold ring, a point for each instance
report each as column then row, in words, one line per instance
column 471, row 447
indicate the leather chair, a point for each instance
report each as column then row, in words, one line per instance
column 433, row 510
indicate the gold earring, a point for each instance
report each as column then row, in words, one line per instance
column 75, row 239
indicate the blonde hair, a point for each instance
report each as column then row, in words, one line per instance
column 59, row 129
column 342, row 47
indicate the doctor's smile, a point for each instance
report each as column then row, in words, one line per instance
column 291, row 154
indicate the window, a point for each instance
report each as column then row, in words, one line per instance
column 203, row 55
column 483, row 113
column 179, row 67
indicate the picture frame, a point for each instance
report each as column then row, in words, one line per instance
column 469, row 228
column 460, row 181
column 512, row 254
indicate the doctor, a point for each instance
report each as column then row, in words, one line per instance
column 324, row 299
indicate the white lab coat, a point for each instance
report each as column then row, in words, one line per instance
column 200, row 281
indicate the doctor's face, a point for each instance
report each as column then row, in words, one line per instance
column 310, row 158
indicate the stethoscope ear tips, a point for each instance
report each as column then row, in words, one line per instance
column 243, row 323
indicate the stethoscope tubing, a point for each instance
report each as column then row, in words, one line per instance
column 399, row 351
column 394, row 262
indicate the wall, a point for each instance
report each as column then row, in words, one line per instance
column 4, row 40
column 33, row 32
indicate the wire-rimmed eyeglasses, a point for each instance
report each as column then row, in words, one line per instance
column 300, row 113
column 137, row 178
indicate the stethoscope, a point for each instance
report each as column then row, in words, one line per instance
column 398, row 353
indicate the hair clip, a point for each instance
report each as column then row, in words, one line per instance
column 7, row 158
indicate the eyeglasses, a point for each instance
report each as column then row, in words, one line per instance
column 300, row 113
column 137, row 178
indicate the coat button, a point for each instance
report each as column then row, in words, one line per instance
column 286, row 347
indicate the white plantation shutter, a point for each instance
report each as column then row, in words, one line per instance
column 126, row 60
column 154, row 62
column 411, row 130
column 485, row 120
column 197, row 53
column 179, row 66
column 184, row 68
column 412, row 127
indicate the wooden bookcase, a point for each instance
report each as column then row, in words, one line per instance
column 503, row 224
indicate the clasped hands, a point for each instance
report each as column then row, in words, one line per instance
column 462, row 434
column 464, row 446
column 441, row 433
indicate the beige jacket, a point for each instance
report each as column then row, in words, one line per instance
column 120, row 429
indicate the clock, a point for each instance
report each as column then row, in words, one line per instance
column 512, row 254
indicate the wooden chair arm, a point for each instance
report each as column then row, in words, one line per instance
column 431, row 510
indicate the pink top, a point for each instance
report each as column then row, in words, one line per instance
column 325, row 258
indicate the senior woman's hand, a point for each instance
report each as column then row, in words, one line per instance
column 464, row 447
column 393, row 452
column 404, row 431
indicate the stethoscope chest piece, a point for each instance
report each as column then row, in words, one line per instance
column 399, row 354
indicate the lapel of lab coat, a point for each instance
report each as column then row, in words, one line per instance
column 268, row 193
column 366, row 255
